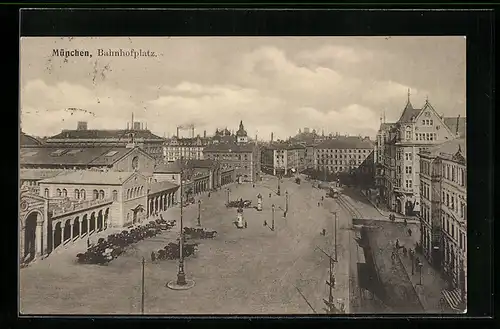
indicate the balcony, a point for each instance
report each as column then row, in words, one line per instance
column 67, row 207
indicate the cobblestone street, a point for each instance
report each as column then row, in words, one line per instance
column 253, row 270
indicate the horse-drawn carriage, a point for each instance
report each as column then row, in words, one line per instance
column 239, row 204
column 172, row 251
column 199, row 233
column 105, row 250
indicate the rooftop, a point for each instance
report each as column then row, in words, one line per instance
column 90, row 177
column 409, row 113
column 27, row 140
column 161, row 186
column 168, row 168
column 230, row 147
column 105, row 134
column 449, row 148
column 350, row 142
column 96, row 156
column 38, row 174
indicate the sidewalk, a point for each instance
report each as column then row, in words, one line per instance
column 429, row 289
column 386, row 213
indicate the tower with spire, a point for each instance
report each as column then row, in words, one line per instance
column 241, row 134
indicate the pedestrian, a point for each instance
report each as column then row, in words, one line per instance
column 253, row 185
column 405, row 252
column 323, row 232
column 88, row 242
column 269, row 195
column 409, row 232
column 393, row 255
column 405, row 222
column 153, row 256
column 411, row 254
column 397, row 243
column 318, row 204
column 246, row 224
column 322, row 198
column 265, row 222
column 209, row 194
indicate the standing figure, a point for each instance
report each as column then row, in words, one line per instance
column 409, row 231
column 153, row 256
column 397, row 243
column 269, row 195
column 405, row 222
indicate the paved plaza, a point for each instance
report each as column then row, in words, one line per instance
column 247, row 271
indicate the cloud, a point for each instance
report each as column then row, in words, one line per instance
column 44, row 107
column 279, row 87
column 330, row 53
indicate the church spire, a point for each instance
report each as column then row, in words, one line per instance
column 409, row 95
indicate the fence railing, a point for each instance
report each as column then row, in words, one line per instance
column 67, row 208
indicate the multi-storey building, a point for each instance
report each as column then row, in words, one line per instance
column 240, row 155
column 187, row 148
column 443, row 179
column 416, row 130
column 283, row 159
column 135, row 133
column 383, row 135
column 76, row 204
column 342, row 154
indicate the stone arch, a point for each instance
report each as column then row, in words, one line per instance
column 67, row 230
column 76, row 227
column 85, row 228
column 29, row 231
column 92, row 226
column 106, row 218
column 100, row 221
column 57, row 235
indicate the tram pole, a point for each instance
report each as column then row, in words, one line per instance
column 142, row 285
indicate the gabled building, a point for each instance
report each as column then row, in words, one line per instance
column 416, row 130
column 71, row 157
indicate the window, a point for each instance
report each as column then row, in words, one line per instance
column 101, row 194
column 408, row 183
column 64, row 193
column 135, row 163
column 82, row 194
column 95, row 194
column 447, row 200
column 430, row 123
column 46, row 192
column 77, row 194
column 59, row 193
column 408, row 156
column 115, row 195
column 408, row 169
column 462, row 180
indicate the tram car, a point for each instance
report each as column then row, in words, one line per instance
column 333, row 193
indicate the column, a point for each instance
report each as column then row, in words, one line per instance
column 88, row 225
column 80, row 224
column 54, row 237
column 71, row 233
column 38, row 234
column 62, row 233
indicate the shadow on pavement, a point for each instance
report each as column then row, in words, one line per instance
column 384, row 277
column 356, row 195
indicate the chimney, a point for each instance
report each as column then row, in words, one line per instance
column 82, row 125
column 192, row 131
column 204, row 134
column 177, row 132
column 272, row 137
column 128, row 125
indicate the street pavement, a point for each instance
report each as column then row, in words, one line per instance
column 399, row 274
column 241, row 271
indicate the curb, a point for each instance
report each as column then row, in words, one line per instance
column 415, row 221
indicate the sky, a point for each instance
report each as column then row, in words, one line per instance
column 272, row 84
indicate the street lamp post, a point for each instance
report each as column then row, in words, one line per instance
column 286, row 201
column 272, row 223
column 181, row 283
column 420, row 270
column 199, row 212
column 228, row 191
column 279, row 185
